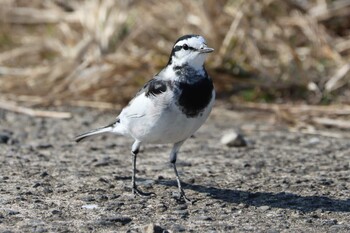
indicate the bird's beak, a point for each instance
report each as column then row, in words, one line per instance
column 205, row 49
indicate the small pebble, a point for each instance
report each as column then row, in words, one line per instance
column 161, row 208
column 242, row 205
column 233, row 139
column 48, row 190
column 114, row 205
column 308, row 220
column 181, row 207
column 44, row 174
column 4, row 137
column 329, row 222
column 55, row 212
column 152, row 228
column 36, row 185
column 88, row 198
column 264, row 208
column 13, row 212
column 94, row 148
column 103, row 180
column 181, row 212
column 190, row 181
column 178, row 228
column 102, row 197
column 90, row 206
column 44, row 146
column 313, row 141
column 114, row 196
column 204, row 218
column 114, row 220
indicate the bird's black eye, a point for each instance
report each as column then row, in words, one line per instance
column 185, row 46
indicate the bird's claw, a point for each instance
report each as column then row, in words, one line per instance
column 186, row 199
column 137, row 192
column 181, row 197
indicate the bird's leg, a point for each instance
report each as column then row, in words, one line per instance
column 173, row 156
column 133, row 182
column 134, row 151
column 181, row 191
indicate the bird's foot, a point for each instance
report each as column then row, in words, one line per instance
column 181, row 197
column 186, row 199
column 137, row 192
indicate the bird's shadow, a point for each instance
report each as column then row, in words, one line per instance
column 281, row 200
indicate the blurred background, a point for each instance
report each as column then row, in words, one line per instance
column 291, row 57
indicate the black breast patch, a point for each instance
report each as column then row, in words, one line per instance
column 155, row 87
column 194, row 97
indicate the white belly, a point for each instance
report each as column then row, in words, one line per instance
column 162, row 123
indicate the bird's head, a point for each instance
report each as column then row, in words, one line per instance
column 189, row 50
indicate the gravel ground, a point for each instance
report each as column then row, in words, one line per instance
column 279, row 182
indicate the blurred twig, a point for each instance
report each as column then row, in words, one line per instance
column 337, row 80
column 6, row 105
column 304, row 117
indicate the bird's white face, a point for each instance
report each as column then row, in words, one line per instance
column 191, row 50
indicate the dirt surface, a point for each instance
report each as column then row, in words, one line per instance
column 279, row 182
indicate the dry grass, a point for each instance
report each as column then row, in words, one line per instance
column 81, row 51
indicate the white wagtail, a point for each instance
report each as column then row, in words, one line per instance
column 170, row 107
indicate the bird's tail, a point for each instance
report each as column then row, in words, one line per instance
column 108, row 128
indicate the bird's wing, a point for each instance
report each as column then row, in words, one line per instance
column 146, row 98
column 153, row 87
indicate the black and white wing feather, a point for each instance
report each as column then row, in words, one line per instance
column 154, row 87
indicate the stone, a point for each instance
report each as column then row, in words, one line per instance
column 264, row 208
column 152, row 228
column 4, row 137
column 233, row 139
column 114, row 220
